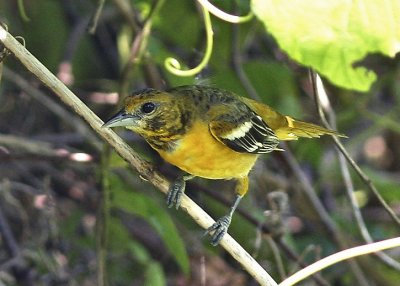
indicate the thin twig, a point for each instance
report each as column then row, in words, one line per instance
column 103, row 218
column 327, row 221
column 25, row 145
column 138, row 49
column 150, row 70
column 277, row 256
column 74, row 37
column 340, row 256
column 96, row 16
column 311, row 195
column 294, row 256
column 128, row 13
column 358, row 170
column 70, row 119
column 237, row 64
column 318, row 92
column 145, row 169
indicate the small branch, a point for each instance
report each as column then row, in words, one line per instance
column 237, row 65
column 138, row 49
column 70, row 119
column 65, row 72
column 128, row 13
column 340, row 146
column 144, row 168
column 103, row 218
column 319, row 93
column 29, row 146
column 340, row 256
column 327, row 221
column 96, row 16
column 150, row 70
column 295, row 257
column 277, row 256
column 311, row 195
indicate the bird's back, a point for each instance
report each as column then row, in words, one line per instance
column 210, row 102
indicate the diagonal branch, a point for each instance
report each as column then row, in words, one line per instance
column 350, row 160
column 319, row 93
column 144, row 168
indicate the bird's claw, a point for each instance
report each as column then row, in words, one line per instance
column 219, row 229
column 175, row 192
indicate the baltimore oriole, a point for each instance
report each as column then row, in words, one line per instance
column 209, row 133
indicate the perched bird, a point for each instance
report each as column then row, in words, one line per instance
column 209, row 133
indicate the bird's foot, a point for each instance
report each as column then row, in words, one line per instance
column 175, row 193
column 218, row 229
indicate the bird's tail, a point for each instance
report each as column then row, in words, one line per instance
column 295, row 129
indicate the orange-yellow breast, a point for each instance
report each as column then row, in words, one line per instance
column 200, row 154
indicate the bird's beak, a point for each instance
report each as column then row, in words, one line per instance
column 121, row 119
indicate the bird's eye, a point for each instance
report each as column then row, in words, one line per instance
column 148, row 107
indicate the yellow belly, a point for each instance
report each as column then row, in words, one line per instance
column 200, row 154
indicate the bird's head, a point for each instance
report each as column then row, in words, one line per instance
column 149, row 113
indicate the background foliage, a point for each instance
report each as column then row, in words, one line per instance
column 53, row 180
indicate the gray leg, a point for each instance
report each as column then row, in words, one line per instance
column 220, row 227
column 176, row 190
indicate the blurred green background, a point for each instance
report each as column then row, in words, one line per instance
column 58, row 180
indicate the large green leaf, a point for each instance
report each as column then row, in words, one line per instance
column 331, row 36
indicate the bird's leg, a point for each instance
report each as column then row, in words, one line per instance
column 176, row 190
column 220, row 227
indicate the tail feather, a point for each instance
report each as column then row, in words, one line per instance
column 295, row 129
column 285, row 127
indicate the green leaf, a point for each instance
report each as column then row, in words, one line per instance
column 331, row 36
column 141, row 205
column 121, row 238
column 154, row 275
column 140, row 253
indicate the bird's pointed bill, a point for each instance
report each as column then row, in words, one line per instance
column 121, row 119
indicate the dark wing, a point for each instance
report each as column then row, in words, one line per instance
column 245, row 133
